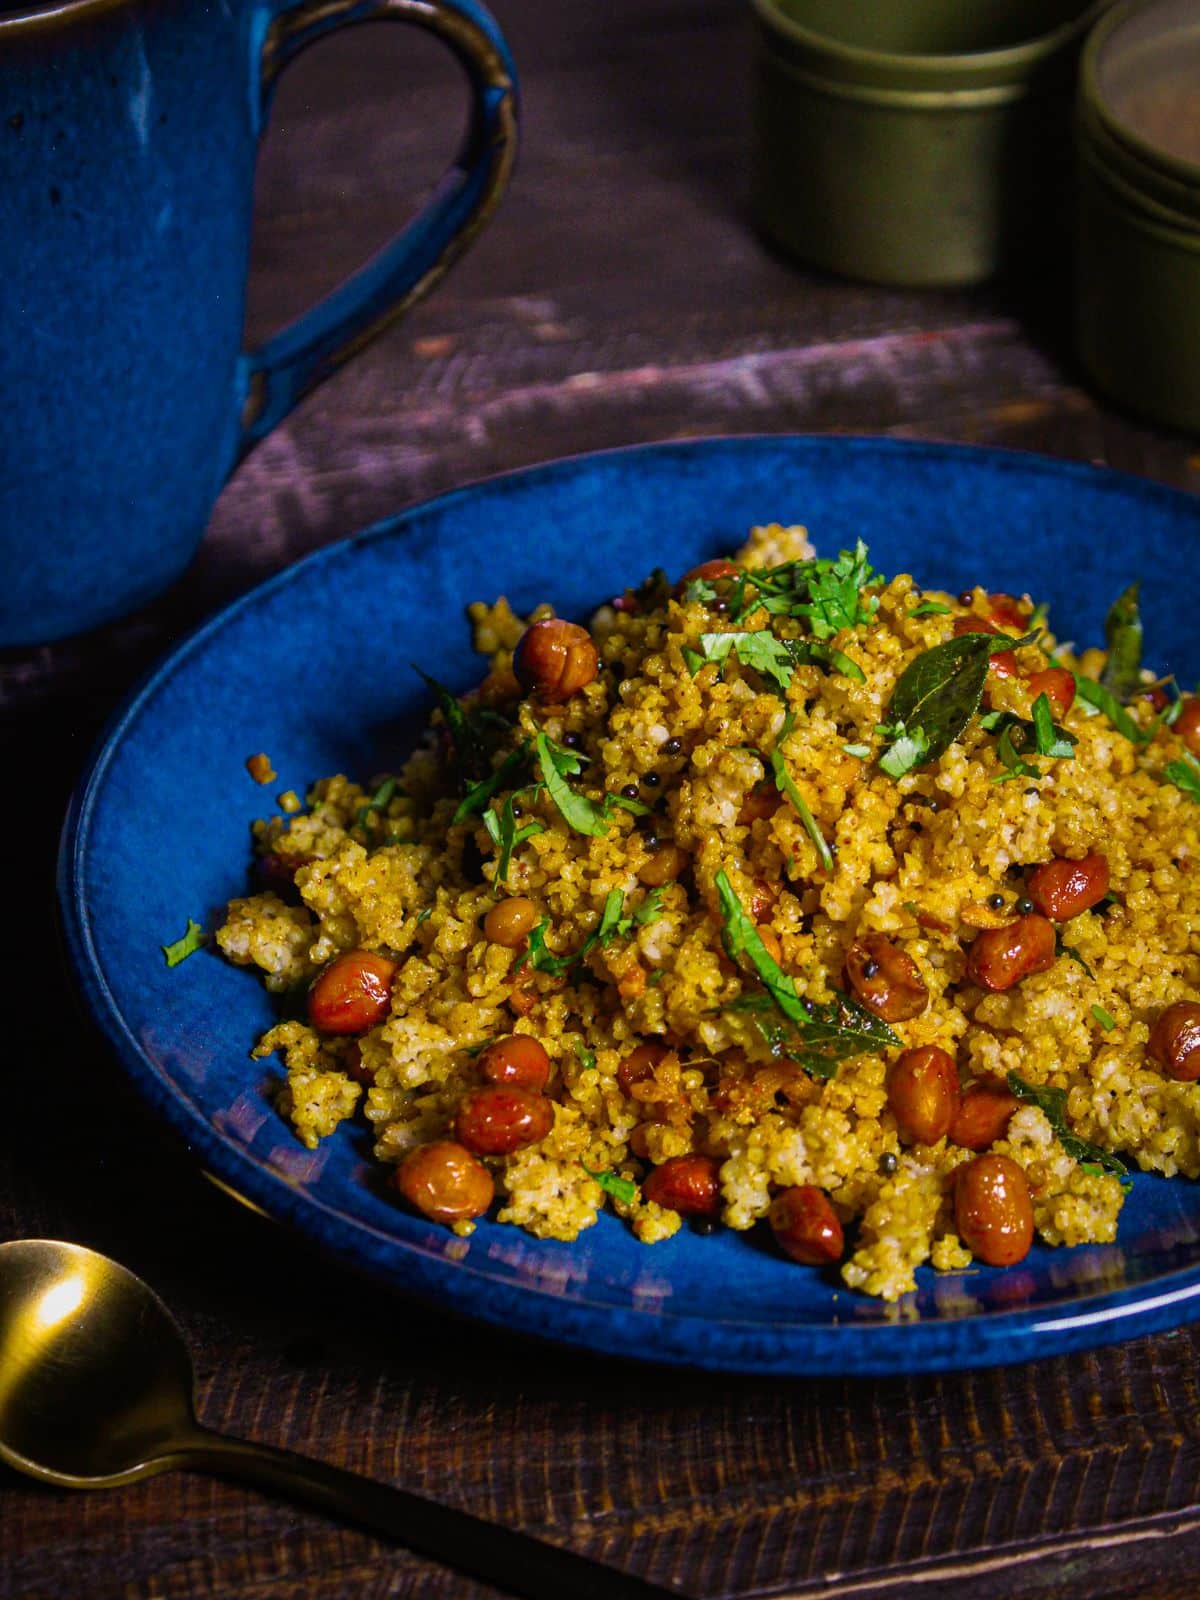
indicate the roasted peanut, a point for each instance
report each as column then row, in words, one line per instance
column 445, row 1182
column 805, row 1226
column 1187, row 724
column 351, row 994
column 639, row 1064
column 510, row 922
column 993, row 1211
column 664, row 866
column 555, row 659
column 687, row 1184
column 519, row 1061
column 1174, row 1041
column 885, row 979
column 1002, row 957
column 1061, row 889
column 982, row 1116
column 922, row 1093
column 499, row 1119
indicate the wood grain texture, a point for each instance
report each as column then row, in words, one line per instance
column 619, row 297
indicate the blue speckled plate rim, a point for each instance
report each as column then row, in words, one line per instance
column 979, row 1339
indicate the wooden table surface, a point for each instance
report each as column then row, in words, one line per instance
column 620, row 296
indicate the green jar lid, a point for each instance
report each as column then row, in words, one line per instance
column 918, row 49
column 1138, row 112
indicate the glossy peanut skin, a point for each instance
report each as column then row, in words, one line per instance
column 510, row 922
column 982, row 1117
column 805, row 1226
column 639, row 1065
column 499, row 1119
column 1007, row 612
column 771, row 944
column 445, row 1182
column 1002, row 957
column 896, row 991
column 687, row 1184
column 664, row 866
column 519, row 1061
column 760, row 803
column 1187, row 724
column 992, row 1210
column 351, row 994
column 1174, row 1041
column 922, row 1093
column 1003, row 664
column 1058, row 685
column 1062, row 889
column 555, row 659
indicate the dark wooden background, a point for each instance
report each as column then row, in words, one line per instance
column 620, row 296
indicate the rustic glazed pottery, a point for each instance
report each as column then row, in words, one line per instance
column 128, row 136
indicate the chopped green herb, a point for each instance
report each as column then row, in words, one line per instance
column 1062, row 948
column 785, row 784
column 862, row 751
column 193, row 940
column 1053, row 1104
column 544, row 961
column 1185, row 776
column 576, row 810
column 1101, row 699
column 909, row 749
column 622, row 1189
column 378, row 801
column 587, row 1058
column 1122, row 675
column 1104, row 1018
column 701, row 590
column 931, row 608
column 829, row 595
column 806, row 650
column 817, row 1037
column 1014, row 766
column 503, row 777
column 761, row 651
column 622, row 802
column 424, row 916
column 1044, row 734
column 506, row 836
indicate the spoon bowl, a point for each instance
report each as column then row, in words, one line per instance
column 95, row 1379
column 96, row 1390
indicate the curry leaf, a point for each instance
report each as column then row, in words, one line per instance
column 938, row 693
column 1053, row 1104
column 817, row 1037
column 1122, row 675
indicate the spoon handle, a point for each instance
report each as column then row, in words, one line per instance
column 511, row 1560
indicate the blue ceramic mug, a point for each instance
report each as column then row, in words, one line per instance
column 128, row 136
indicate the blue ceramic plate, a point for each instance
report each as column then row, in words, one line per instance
column 313, row 667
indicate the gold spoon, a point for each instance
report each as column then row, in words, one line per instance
column 96, row 1390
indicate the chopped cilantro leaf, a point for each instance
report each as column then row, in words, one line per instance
column 622, row 1189
column 576, row 810
column 761, row 651
column 909, row 748
column 192, row 940
column 817, row 1037
column 786, row 785
column 1101, row 699
column 503, row 777
column 862, row 751
column 1014, row 766
column 543, row 960
column 931, row 608
column 1104, row 1018
column 506, row 836
column 379, row 801
column 829, row 595
column 1185, row 776
column 587, row 1058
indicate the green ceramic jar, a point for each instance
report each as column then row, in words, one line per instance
column 920, row 142
column 1138, row 253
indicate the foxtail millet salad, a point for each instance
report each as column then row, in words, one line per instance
column 787, row 894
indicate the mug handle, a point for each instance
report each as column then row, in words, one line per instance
column 273, row 377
